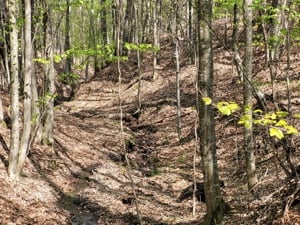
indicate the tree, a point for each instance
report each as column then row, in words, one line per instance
column 28, row 69
column 5, row 80
column 68, row 67
column 155, row 36
column 177, row 58
column 14, row 93
column 247, row 92
column 275, row 41
column 18, row 149
column 128, row 32
column 214, row 202
column 47, row 136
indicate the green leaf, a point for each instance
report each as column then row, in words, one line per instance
column 41, row 61
column 246, row 121
column 275, row 132
column 247, row 108
column 258, row 121
column 297, row 116
column 282, row 114
column 267, row 121
column 58, row 58
column 281, row 123
column 258, row 111
column 224, row 108
column 291, row 130
column 233, row 107
column 273, row 116
column 207, row 100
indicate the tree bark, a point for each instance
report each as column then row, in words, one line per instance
column 275, row 42
column 47, row 137
column 178, row 88
column 128, row 33
column 215, row 204
column 68, row 67
column 155, row 38
column 28, row 63
column 139, row 58
column 248, row 129
column 14, row 92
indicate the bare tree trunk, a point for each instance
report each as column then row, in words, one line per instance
column 265, row 36
column 118, row 46
column 235, row 24
column 14, row 92
column 237, row 58
column 177, row 49
column 4, row 47
column 68, row 67
column 47, row 137
column 1, row 112
column 288, row 61
column 139, row 57
column 189, row 33
column 214, row 202
column 145, row 15
column 24, row 144
column 155, row 38
column 178, row 88
column 128, row 34
column 248, row 129
column 276, row 37
column 103, row 30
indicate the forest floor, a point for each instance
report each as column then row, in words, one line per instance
column 83, row 178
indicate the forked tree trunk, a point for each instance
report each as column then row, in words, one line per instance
column 24, row 144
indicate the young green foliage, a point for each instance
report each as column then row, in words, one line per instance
column 141, row 47
column 275, row 121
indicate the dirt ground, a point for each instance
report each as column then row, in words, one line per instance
column 83, row 178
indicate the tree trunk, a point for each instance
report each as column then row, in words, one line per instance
column 139, row 57
column 1, row 113
column 4, row 47
column 177, row 59
column 128, row 33
column 276, row 38
column 47, row 137
column 155, row 39
column 103, row 30
column 178, row 88
column 14, row 92
column 189, row 33
column 24, row 144
column 248, row 129
column 215, row 204
column 68, row 67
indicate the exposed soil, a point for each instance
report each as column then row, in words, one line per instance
column 83, row 178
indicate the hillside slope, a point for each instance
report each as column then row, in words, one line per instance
column 83, row 179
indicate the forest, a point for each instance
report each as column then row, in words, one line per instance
column 154, row 112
